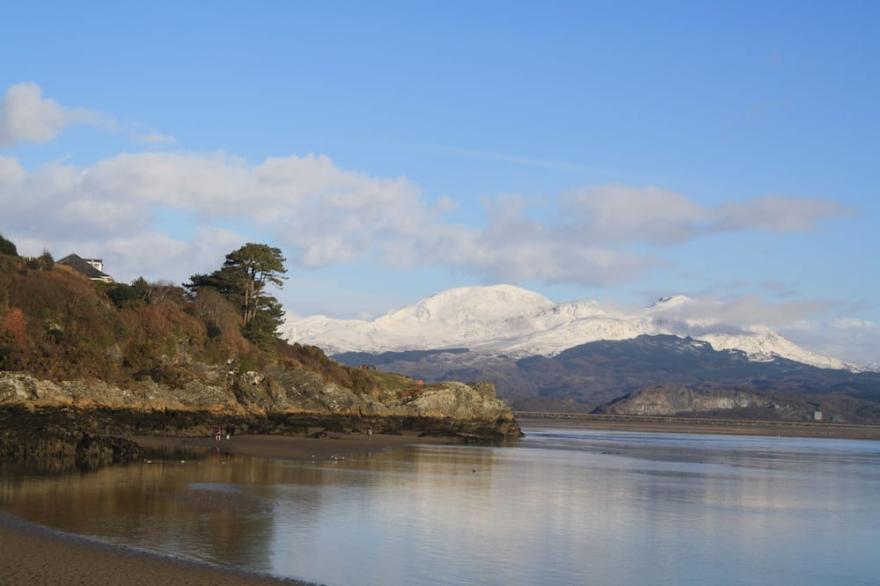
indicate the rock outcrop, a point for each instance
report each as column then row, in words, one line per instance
column 289, row 401
column 253, row 393
column 683, row 400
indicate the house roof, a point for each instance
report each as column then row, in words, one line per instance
column 80, row 265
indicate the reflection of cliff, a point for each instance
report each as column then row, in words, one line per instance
column 217, row 509
column 236, row 510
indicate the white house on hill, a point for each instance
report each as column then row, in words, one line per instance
column 92, row 268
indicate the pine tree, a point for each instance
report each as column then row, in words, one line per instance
column 243, row 280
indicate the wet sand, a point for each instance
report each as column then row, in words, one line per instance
column 287, row 447
column 34, row 555
column 703, row 426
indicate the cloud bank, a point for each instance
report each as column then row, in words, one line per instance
column 326, row 215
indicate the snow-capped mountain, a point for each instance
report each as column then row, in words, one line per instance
column 503, row 319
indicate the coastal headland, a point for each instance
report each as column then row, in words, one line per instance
column 85, row 362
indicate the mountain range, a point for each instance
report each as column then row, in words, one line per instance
column 511, row 321
column 580, row 356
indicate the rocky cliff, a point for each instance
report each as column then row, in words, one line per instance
column 740, row 403
column 255, row 395
column 682, row 400
column 78, row 423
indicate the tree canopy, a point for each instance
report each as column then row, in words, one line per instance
column 243, row 279
column 7, row 247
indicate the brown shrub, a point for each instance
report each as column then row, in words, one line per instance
column 313, row 358
column 57, row 324
column 15, row 325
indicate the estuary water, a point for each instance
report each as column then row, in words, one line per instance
column 565, row 506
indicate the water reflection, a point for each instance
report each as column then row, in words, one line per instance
column 566, row 507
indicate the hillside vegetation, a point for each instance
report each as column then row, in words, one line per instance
column 56, row 324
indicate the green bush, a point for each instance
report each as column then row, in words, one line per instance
column 213, row 329
column 123, row 295
column 7, row 247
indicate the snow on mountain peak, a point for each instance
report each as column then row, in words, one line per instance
column 671, row 302
column 471, row 303
column 504, row 319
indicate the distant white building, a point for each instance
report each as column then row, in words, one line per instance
column 96, row 262
column 92, row 268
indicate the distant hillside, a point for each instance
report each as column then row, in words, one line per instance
column 732, row 403
column 586, row 376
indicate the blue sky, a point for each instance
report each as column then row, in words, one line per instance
column 618, row 151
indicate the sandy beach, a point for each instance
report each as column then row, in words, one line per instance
column 34, row 555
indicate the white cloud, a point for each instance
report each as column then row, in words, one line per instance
column 323, row 214
column 515, row 247
column 26, row 116
column 747, row 311
column 618, row 213
column 777, row 214
column 856, row 340
column 852, row 323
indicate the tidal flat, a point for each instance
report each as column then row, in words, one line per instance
column 563, row 506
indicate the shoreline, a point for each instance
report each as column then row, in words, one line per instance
column 284, row 447
column 37, row 554
column 671, row 424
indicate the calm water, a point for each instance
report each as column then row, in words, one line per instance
column 564, row 507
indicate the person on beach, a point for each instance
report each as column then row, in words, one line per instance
column 370, row 432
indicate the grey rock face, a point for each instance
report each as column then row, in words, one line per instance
column 288, row 392
column 672, row 401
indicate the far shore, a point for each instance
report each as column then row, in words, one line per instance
column 670, row 424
